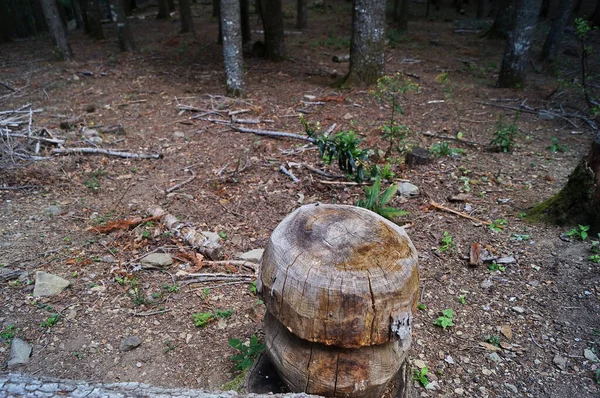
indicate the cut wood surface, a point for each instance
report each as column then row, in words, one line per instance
column 340, row 275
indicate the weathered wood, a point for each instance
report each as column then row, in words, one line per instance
column 319, row 369
column 340, row 275
column 418, row 156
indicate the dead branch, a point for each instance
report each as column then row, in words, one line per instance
column 288, row 173
column 32, row 137
column 217, row 277
column 150, row 313
column 121, row 224
column 318, row 171
column 174, row 187
column 341, row 58
column 449, row 137
column 233, row 113
column 281, row 134
column 240, row 263
column 458, row 213
column 107, row 152
column 7, row 86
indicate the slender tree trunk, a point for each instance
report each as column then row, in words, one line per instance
column 78, row 14
column 92, row 19
column 245, row 16
column 502, row 21
column 130, row 5
column 401, row 15
column 171, row 4
column 595, row 18
column 216, row 5
column 217, row 10
column 514, row 62
column 552, row 43
column 57, row 29
column 6, row 23
column 301, row 14
column 481, row 6
column 577, row 7
column 272, row 16
column 545, row 9
column 163, row 10
column 187, row 21
column 232, row 47
column 38, row 16
column 367, row 43
column 124, row 35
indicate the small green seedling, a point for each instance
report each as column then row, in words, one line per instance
column 253, row 287
column 462, row 299
column 223, row 235
column 202, row 319
column 498, row 224
column 580, row 232
column 520, row 238
column 447, row 242
column 174, row 288
column 505, row 135
column 496, row 267
column 420, row 375
column 555, row 146
column 51, row 321
column 8, row 333
column 376, row 202
column 205, row 294
column 446, row 320
column 247, row 353
column 422, row 307
column 494, row 340
column 443, row 149
column 170, row 346
column 595, row 258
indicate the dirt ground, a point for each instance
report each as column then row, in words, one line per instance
column 541, row 308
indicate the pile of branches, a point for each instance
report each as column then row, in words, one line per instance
column 21, row 142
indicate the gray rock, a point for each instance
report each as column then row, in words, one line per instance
column 129, row 343
column 89, row 133
column 506, row 260
column 212, row 237
column 48, row 284
column 518, row 310
column 53, row 210
column 495, row 357
column 486, row 284
column 157, row 260
column 560, row 362
column 406, row 189
column 109, row 259
column 179, row 134
column 19, row 353
column 511, row 387
column 590, row 355
column 433, row 385
column 545, row 115
column 253, row 255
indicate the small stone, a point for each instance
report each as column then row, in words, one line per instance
column 108, row 259
column 179, row 134
column 253, row 255
column 308, row 97
column 406, row 189
column 432, row 386
column 71, row 314
column 20, row 351
column 506, row 331
column 560, row 362
column 519, row 310
column 138, row 364
column 53, row 210
column 347, row 116
column 89, row 133
column 48, row 284
column 486, row 372
column 129, row 343
column 486, row 284
column 95, row 140
column 212, row 236
column 459, row 391
column 419, row 363
column 157, row 260
column 506, row 260
column 511, row 387
column 495, row 357
column 98, row 288
column 449, row 360
column 590, row 355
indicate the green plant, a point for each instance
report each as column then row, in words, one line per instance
column 505, row 135
column 253, row 287
column 447, row 242
column 446, row 320
column 205, row 294
column 174, row 288
column 443, row 149
column 77, row 355
column 595, row 258
column 137, row 296
column 246, row 353
column 204, row 318
column 462, row 299
column 223, row 235
column 422, row 307
column 555, row 146
column 520, row 237
column 580, row 232
column 498, row 224
column 384, row 172
column 494, row 340
column 420, row 375
column 223, row 313
column 14, row 283
column 8, row 333
column 51, row 321
column 376, row 202
column 496, row 267
column 170, row 346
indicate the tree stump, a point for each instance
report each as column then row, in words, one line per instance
column 340, row 284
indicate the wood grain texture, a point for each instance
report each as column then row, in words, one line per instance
column 340, row 275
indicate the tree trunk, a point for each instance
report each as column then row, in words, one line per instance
column 595, row 18
column 6, row 23
column 171, row 4
column 367, row 43
column 92, row 19
column 129, row 5
column 78, row 14
column 124, row 35
column 578, row 202
column 481, row 6
column 163, row 10
column 502, row 21
column 187, row 21
column 245, row 16
column 38, row 16
column 514, row 62
column 401, row 15
column 552, row 43
column 545, row 8
column 232, row 47
column 577, row 7
column 272, row 17
column 57, row 29
column 301, row 14
column 215, row 9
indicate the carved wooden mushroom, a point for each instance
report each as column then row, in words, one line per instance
column 340, row 285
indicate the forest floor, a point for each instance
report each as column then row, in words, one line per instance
column 542, row 309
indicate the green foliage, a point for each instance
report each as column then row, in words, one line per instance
column 92, row 183
column 443, row 149
column 462, row 299
column 447, row 242
column 494, row 340
column 51, row 321
column 170, row 346
column 174, row 288
column 422, row 306
column 204, row 318
column 223, row 235
column 253, row 287
column 595, row 258
column 446, row 320
column 520, row 237
column 496, row 267
column 498, row 224
column 8, row 333
column 505, row 135
column 376, row 202
column 246, row 353
column 555, row 146
column 384, row 172
column 420, row 375
column 137, row 296
column 579, row 233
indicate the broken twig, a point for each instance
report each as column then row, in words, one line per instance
column 108, row 152
column 174, row 187
column 281, row 134
column 458, row 213
column 288, row 173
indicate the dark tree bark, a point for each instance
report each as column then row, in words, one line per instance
column 232, row 47
column 38, row 16
column 217, row 10
column 502, row 21
column 301, row 14
column 481, row 6
column 6, row 23
column 78, row 14
column 579, row 200
column 245, row 16
column 401, row 15
column 124, row 35
column 129, row 5
column 595, row 18
column 577, row 7
column 187, row 21
column 545, row 9
column 92, row 19
column 516, row 53
column 216, row 7
column 272, row 17
column 552, row 43
column 163, row 10
column 171, row 4
column 57, row 29
column 367, row 43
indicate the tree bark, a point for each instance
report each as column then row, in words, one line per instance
column 301, row 14
column 502, row 21
column 163, row 10
column 401, row 15
column 367, row 43
column 481, row 6
column 124, row 35
column 545, row 9
column 595, row 18
column 78, row 14
column 6, row 23
column 552, row 43
column 57, row 29
column 38, row 16
column 516, row 53
column 245, row 16
column 232, row 47
column 187, row 21
column 272, row 17
column 92, row 19
column 171, row 4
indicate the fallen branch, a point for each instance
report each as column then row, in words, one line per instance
column 449, row 137
column 174, row 187
column 321, row 172
column 240, row 263
column 201, row 278
column 108, row 152
column 33, row 137
column 121, row 224
column 150, row 313
column 268, row 133
column 458, row 213
column 288, row 173
column 341, row 58
column 7, row 86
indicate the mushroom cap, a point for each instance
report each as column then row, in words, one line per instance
column 340, row 275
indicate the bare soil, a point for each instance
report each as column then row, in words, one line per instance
column 544, row 305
